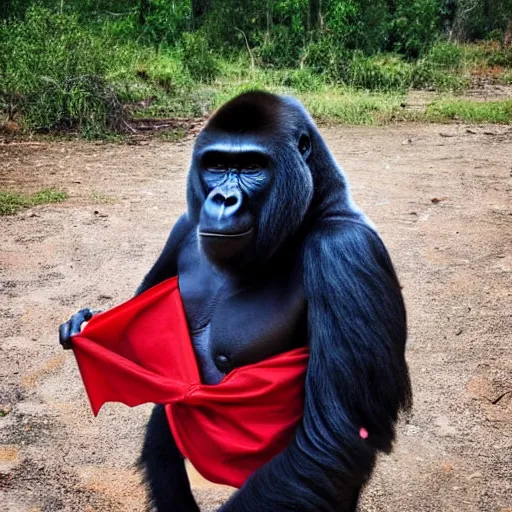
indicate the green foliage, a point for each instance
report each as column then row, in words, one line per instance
column 502, row 57
column 49, row 45
column 352, row 106
column 416, row 26
column 12, row 202
column 198, row 57
column 87, row 104
column 301, row 80
column 499, row 111
column 445, row 55
column 282, row 48
column 379, row 73
column 358, row 25
column 427, row 75
column 85, row 65
column 52, row 71
column 164, row 22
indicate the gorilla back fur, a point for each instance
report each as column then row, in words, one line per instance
column 357, row 375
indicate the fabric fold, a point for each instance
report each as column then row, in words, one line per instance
column 141, row 351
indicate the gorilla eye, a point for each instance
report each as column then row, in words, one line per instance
column 217, row 167
column 304, row 145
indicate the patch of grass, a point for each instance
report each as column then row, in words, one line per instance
column 99, row 198
column 12, row 202
column 443, row 110
column 173, row 135
column 354, row 107
column 329, row 103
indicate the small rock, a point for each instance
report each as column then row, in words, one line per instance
column 447, row 467
column 480, row 387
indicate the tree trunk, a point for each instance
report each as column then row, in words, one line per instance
column 450, row 12
column 314, row 19
column 200, row 7
column 143, row 11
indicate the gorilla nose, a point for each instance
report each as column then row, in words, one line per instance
column 223, row 203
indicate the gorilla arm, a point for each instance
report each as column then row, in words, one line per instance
column 166, row 265
column 357, row 377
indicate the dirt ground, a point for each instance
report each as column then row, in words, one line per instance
column 441, row 197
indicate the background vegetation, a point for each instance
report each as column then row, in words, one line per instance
column 93, row 66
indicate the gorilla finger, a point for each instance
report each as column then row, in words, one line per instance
column 87, row 313
column 64, row 336
column 76, row 323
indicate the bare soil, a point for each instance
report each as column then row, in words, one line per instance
column 441, row 197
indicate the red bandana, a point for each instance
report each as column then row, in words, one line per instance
column 141, row 352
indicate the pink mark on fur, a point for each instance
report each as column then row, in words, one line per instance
column 363, row 433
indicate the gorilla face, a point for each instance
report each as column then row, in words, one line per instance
column 235, row 184
column 249, row 185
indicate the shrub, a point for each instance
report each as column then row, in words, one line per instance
column 426, row 75
column 302, row 80
column 87, row 104
column 446, row 55
column 198, row 57
column 380, row 73
column 281, row 48
column 415, row 26
column 52, row 70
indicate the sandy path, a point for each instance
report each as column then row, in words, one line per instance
column 453, row 256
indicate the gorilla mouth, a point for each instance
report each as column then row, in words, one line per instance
column 212, row 234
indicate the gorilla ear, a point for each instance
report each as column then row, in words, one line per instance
column 304, row 146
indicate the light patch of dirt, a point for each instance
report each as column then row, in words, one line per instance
column 441, row 197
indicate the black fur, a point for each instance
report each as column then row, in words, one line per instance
column 312, row 270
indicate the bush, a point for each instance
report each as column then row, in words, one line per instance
column 326, row 58
column 445, row 55
column 380, row 73
column 87, row 104
column 302, row 80
column 164, row 22
column 52, row 71
column 198, row 57
column 501, row 58
column 282, row 48
column 426, row 75
column 416, row 26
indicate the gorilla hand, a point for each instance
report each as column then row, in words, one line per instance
column 74, row 326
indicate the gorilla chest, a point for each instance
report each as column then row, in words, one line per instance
column 234, row 325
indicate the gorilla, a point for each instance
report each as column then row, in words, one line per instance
column 273, row 254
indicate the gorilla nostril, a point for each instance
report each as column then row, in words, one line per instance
column 218, row 199
column 231, row 201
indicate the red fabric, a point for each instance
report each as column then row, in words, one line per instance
column 141, row 352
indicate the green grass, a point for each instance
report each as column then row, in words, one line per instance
column 12, row 202
column 345, row 106
column 468, row 111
